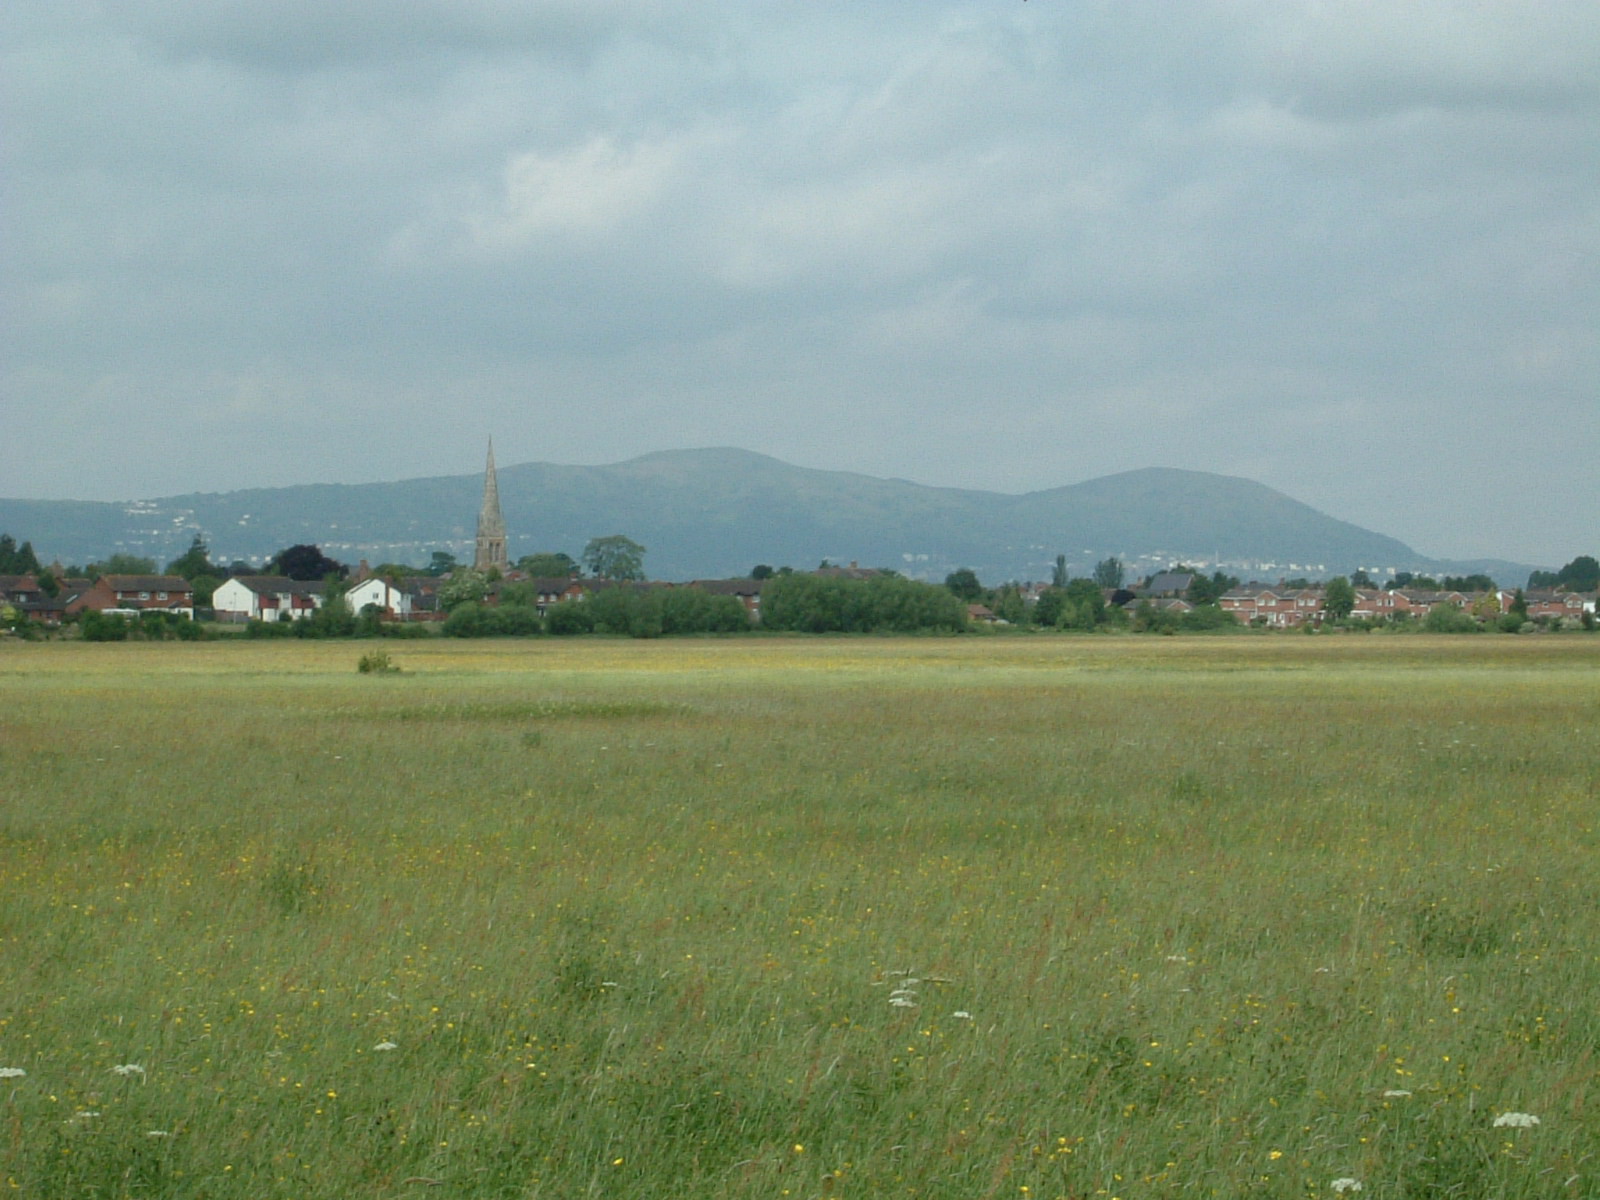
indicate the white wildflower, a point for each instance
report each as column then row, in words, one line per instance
column 1512, row 1120
column 127, row 1070
column 387, row 1046
column 1396, row 1094
column 1346, row 1185
column 12, row 1072
column 158, row 1133
column 902, row 1002
column 963, row 1015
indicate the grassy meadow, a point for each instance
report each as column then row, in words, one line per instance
column 967, row 917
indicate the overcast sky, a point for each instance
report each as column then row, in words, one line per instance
column 1350, row 250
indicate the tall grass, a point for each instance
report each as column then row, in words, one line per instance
column 943, row 918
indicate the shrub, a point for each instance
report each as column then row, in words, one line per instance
column 377, row 662
column 569, row 617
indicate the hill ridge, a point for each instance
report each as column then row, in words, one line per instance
column 720, row 510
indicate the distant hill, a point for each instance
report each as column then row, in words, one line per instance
column 718, row 512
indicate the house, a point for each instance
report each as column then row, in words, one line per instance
column 746, row 591
column 392, row 600
column 1274, row 607
column 1168, row 583
column 137, row 593
column 266, row 598
column 1378, row 603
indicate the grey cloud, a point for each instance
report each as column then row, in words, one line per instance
column 990, row 244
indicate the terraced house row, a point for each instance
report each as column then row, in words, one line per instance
column 1288, row 608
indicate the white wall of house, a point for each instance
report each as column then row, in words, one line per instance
column 380, row 592
column 233, row 599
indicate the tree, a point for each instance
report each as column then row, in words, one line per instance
column 1047, row 608
column 1361, row 579
column 963, row 583
column 196, row 560
column 1058, row 574
column 761, row 571
column 123, row 564
column 1519, row 605
column 1108, row 574
column 614, row 557
column 1083, row 605
column 466, row 585
column 1339, row 598
column 440, row 564
column 305, row 563
column 1582, row 574
column 549, row 565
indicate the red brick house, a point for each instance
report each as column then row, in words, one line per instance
column 137, row 593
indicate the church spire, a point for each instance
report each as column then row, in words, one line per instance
column 491, row 548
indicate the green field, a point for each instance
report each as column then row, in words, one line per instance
column 964, row 917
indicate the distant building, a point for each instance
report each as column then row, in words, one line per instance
column 491, row 546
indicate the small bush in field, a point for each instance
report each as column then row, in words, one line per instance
column 377, row 662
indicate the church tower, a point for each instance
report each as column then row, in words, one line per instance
column 491, row 548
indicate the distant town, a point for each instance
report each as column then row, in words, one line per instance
column 304, row 592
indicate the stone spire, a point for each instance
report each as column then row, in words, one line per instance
column 491, row 548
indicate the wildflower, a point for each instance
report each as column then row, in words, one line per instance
column 1275, row 1155
column 158, row 1133
column 12, row 1072
column 1395, row 1094
column 386, row 1046
column 127, row 1070
column 1346, row 1185
column 963, row 1015
column 1512, row 1120
column 902, row 1002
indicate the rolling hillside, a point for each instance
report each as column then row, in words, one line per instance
column 716, row 512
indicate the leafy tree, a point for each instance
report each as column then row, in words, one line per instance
column 1518, row 606
column 440, row 564
column 1083, row 605
column 1361, row 579
column 8, row 555
column 964, row 585
column 1424, row 583
column 1447, row 618
column 1010, row 607
column 569, row 617
column 761, row 571
column 123, row 564
column 193, row 562
column 305, row 563
column 1582, row 574
column 614, row 557
column 1339, row 598
column 887, row 603
column 636, row 612
column 1468, row 583
column 1401, row 579
column 1108, row 574
column 550, row 565
column 1206, row 617
column 467, row 585
column 1208, row 589
column 103, row 627
column 1047, row 608
column 205, row 589
column 1058, row 574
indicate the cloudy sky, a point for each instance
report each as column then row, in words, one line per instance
column 1350, row 250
